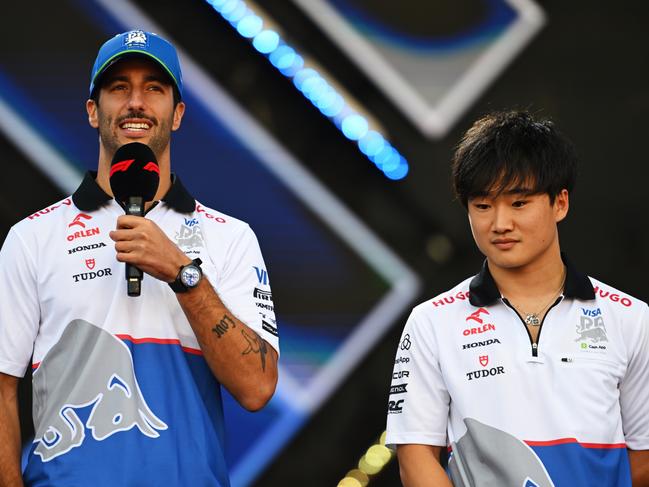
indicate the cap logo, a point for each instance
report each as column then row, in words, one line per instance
column 135, row 38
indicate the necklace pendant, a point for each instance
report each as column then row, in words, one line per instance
column 532, row 319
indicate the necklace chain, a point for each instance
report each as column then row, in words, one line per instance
column 534, row 319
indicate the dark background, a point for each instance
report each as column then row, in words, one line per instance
column 587, row 69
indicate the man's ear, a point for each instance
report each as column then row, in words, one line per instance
column 179, row 111
column 561, row 205
column 91, row 108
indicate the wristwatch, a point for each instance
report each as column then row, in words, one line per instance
column 188, row 277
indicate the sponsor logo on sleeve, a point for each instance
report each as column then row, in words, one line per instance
column 405, row 342
column 443, row 301
column 263, row 295
column 262, row 275
column 398, row 389
column 209, row 216
column 46, row 211
column 395, row 407
column 401, row 374
column 616, row 298
column 266, row 325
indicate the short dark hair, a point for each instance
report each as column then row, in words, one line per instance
column 513, row 150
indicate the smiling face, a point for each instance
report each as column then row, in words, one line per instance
column 515, row 229
column 135, row 104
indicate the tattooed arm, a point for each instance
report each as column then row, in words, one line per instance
column 238, row 357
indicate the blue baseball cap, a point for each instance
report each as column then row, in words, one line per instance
column 138, row 42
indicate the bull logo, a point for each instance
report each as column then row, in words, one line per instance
column 475, row 316
column 485, row 452
column 592, row 329
column 189, row 237
column 87, row 367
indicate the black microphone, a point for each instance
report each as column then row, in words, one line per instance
column 134, row 180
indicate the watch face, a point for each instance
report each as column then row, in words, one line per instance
column 190, row 276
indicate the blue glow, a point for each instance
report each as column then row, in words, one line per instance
column 392, row 162
column 335, row 107
column 282, row 57
column 249, row 26
column 298, row 64
column 236, row 13
column 314, row 87
column 266, row 41
column 383, row 155
column 354, row 126
column 302, row 75
column 400, row 172
column 371, row 143
column 228, row 6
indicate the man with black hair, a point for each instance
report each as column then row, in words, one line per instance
column 127, row 390
column 531, row 373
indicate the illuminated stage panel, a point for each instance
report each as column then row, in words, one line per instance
column 432, row 59
column 336, row 286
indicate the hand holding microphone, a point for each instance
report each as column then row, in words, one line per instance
column 134, row 180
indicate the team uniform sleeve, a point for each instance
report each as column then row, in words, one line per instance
column 634, row 389
column 244, row 286
column 418, row 405
column 19, row 309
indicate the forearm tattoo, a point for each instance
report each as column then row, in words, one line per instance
column 222, row 327
column 256, row 344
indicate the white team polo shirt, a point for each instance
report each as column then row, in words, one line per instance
column 119, row 380
column 467, row 375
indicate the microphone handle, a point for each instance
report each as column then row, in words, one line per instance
column 134, row 206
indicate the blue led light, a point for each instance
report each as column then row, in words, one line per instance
column 392, row 162
column 302, row 75
column 335, row 107
column 282, row 57
column 371, row 143
column 400, row 172
column 354, row 126
column 383, row 155
column 236, row 13
column 266, row 41
column 314, row 87
column 228, row 6
column 297, row 65
column 249, row 26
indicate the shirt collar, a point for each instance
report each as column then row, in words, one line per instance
column 483, row 290
column 89, row 196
